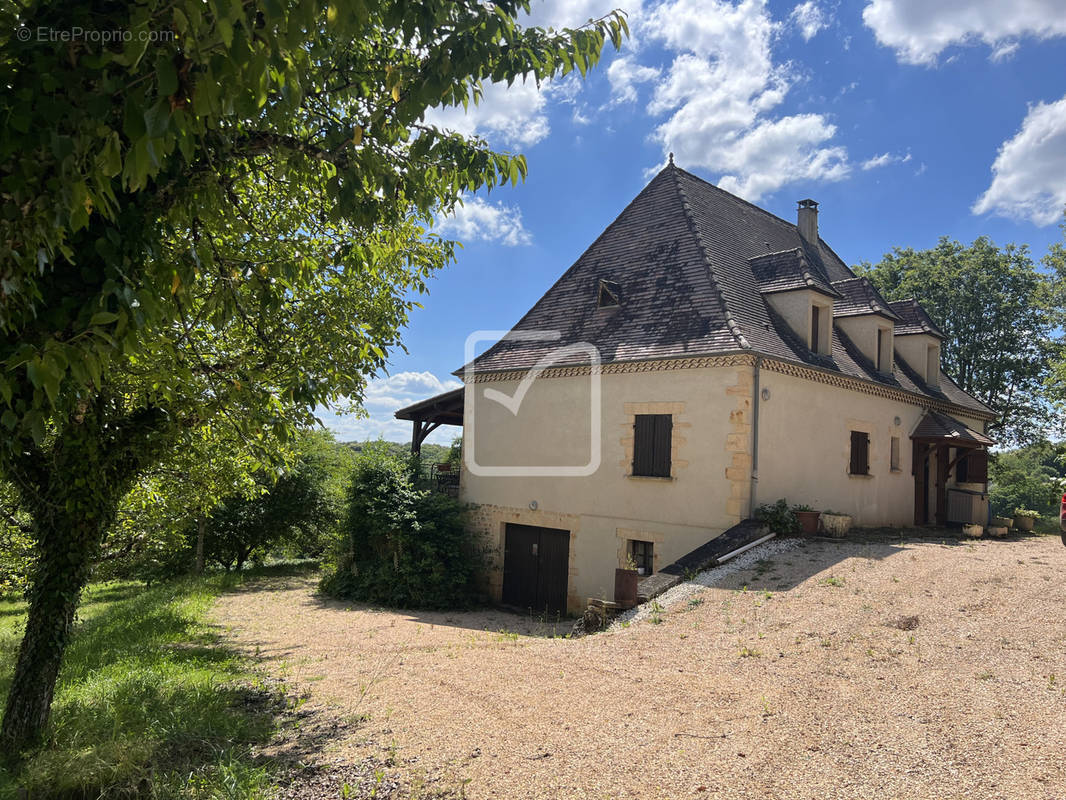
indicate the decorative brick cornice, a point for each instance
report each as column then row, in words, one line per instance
column 617, row 367
column 739, row 360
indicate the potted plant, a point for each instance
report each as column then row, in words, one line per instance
column 1001, row 522
column 778, row 517
column 835, row 523
column 808, row 518
column 1025, row 518
column 625, row 583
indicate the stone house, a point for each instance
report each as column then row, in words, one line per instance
column 701, row 357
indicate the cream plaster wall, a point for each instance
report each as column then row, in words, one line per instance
column 803, row 456
column 795, row 308
column 706, row 493
column 914, row 349
column 862, row 330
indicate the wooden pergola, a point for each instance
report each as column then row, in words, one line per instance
column 428, row 415
column 936, row 434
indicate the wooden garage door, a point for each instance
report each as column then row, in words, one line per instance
column 536, row 564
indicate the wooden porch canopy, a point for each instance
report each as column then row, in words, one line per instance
column 935, row 434
column 428, row 415
column 937, row 428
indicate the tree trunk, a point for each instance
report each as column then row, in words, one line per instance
column 201, row 525
column 60, row 576
column 71, row 491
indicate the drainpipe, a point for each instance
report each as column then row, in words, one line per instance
column 754, row 438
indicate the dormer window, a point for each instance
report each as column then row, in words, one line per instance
column 815, row 325
column 932, row 365
column 884, row 350
column 608, row 294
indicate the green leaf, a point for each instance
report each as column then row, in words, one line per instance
column 166, row 75
column 103, row 318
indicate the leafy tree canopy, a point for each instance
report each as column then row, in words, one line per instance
column 998, row 312
column 216, row 211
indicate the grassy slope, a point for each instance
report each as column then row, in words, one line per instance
column 149, row 702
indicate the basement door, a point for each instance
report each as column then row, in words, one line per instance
column 536, row 565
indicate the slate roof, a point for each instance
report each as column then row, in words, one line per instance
column 935, row 425
column 787, row 270
column 692, row 262
column 914, row 319
column 860, row 297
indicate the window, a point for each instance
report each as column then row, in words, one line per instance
column 860, row 453
column 972, row 468
column 816, row 324
column 880, row 349
column 932, row 366
column 641, row 553
column 894, row 457
column 608, row 294
column 651, row 445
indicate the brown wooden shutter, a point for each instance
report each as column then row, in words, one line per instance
column 860, row 453
column 651, row 445
column 977, row 467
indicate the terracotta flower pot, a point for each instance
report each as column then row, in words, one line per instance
column 808, row 521
column 973, row 531
column 1001, row 522
column 1024, row 523
column 625, row 587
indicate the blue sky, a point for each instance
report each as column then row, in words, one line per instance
column 906, row 120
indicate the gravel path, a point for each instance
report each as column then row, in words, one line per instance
column 708, row 577
column 831, row 670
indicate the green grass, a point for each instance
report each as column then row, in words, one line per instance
column 149, row 702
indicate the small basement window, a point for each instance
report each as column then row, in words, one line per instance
column 642, row 555
column 608, row 294
column 651, row 445
column 860, row 453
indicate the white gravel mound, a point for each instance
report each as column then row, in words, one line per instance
column 709, row 577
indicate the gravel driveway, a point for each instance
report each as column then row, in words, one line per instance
column 832, row 670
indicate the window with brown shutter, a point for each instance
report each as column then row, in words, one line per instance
column 651, row 445
column 973, row 468
column 860, row 453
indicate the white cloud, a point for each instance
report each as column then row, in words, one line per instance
column 719, row 91
column 385, row 396
column 517, row 116
column 479, row 220
column 512, row 115
column 919, row 30
column 884, row 160
column 809, row 18
column 575, row 13
column 624, row 74
column 1027, row 174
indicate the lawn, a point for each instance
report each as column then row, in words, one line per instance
column 150, row 702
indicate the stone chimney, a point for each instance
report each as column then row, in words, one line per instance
column 807, row 220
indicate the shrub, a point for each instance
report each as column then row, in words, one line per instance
column 402, row 546
column 778, row 517
column 1026, row 512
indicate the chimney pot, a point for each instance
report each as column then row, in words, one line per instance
column 807, row 220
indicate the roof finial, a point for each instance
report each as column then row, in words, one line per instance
column 671, row 159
